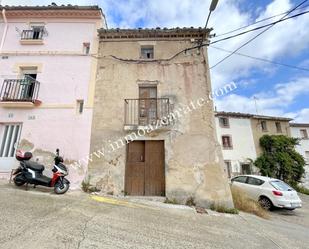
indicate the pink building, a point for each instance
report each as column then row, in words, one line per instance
column 47, row 79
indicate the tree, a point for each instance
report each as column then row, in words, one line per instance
column 279, row 158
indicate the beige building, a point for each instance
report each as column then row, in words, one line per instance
column 151, row 119
column 266, row 125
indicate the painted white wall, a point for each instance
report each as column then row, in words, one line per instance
column 242, row 140
column 63, row 79
column 63, row 35
column 303, row 149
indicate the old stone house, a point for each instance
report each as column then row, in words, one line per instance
column 153, row 129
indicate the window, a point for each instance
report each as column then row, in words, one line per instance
column 86, row 47
column 228, row 168
column 224, row 122
column 9, row 138
column 303, row 134
column 37, row 31
column 278, row 127
column 280, row 185
column 241, row 179
column 80, row 106
column 227, row 142
column 255, row 181
column 263, row 125
column 28, row 86
column 147, row 52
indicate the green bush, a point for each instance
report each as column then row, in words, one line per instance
column 171, row 201
column 300, row 189
column 223, row 209
column 279, row 158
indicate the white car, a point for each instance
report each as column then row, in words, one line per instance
column 269, row 192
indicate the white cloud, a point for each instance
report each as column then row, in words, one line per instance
column 48, row 2
column 302, row 116
column 273, row 102
column 282, row 42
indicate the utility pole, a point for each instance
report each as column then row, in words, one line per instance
column 255, row 101
column 212, row 7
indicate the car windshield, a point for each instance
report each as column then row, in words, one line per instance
column 281, row 186
column 241, row 179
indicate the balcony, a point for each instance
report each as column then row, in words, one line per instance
column 32, row 37
column 20, row 92
column 143, row 112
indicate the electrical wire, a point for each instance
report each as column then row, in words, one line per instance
column 259, row 21
column 261, row 59
column 259, row 34
column 201, row 45
column 260, row 27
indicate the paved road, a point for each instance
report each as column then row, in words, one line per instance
column 39, row 219
column 299, row 216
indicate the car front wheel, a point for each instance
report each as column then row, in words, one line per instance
column 265, row 203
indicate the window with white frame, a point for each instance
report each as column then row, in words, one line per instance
column 228, row 169
column 224, row 122
column 9, row 138
column 303, row 134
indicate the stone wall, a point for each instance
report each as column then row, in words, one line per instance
column 193, row 158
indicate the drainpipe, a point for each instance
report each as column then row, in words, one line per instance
column 5, row 30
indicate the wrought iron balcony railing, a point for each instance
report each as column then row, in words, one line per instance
column 32, row 34
column 145, row 111
column 18, row 90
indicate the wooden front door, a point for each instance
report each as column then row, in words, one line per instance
column 135, row 168
column 145, row 174
column 147, row 105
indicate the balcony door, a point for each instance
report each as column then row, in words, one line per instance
column 147, row 105
column 9, row 138
column 28, row 84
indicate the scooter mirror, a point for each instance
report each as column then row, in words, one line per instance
column 57, row 152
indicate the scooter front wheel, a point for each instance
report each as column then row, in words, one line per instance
column 18, row 182
column 61, row 188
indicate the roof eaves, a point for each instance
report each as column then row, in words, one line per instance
column 299, row 124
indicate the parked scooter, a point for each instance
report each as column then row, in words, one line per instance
column 31, row 172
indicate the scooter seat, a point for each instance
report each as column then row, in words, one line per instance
column 34, row 166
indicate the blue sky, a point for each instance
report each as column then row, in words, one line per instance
column 279, row 90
